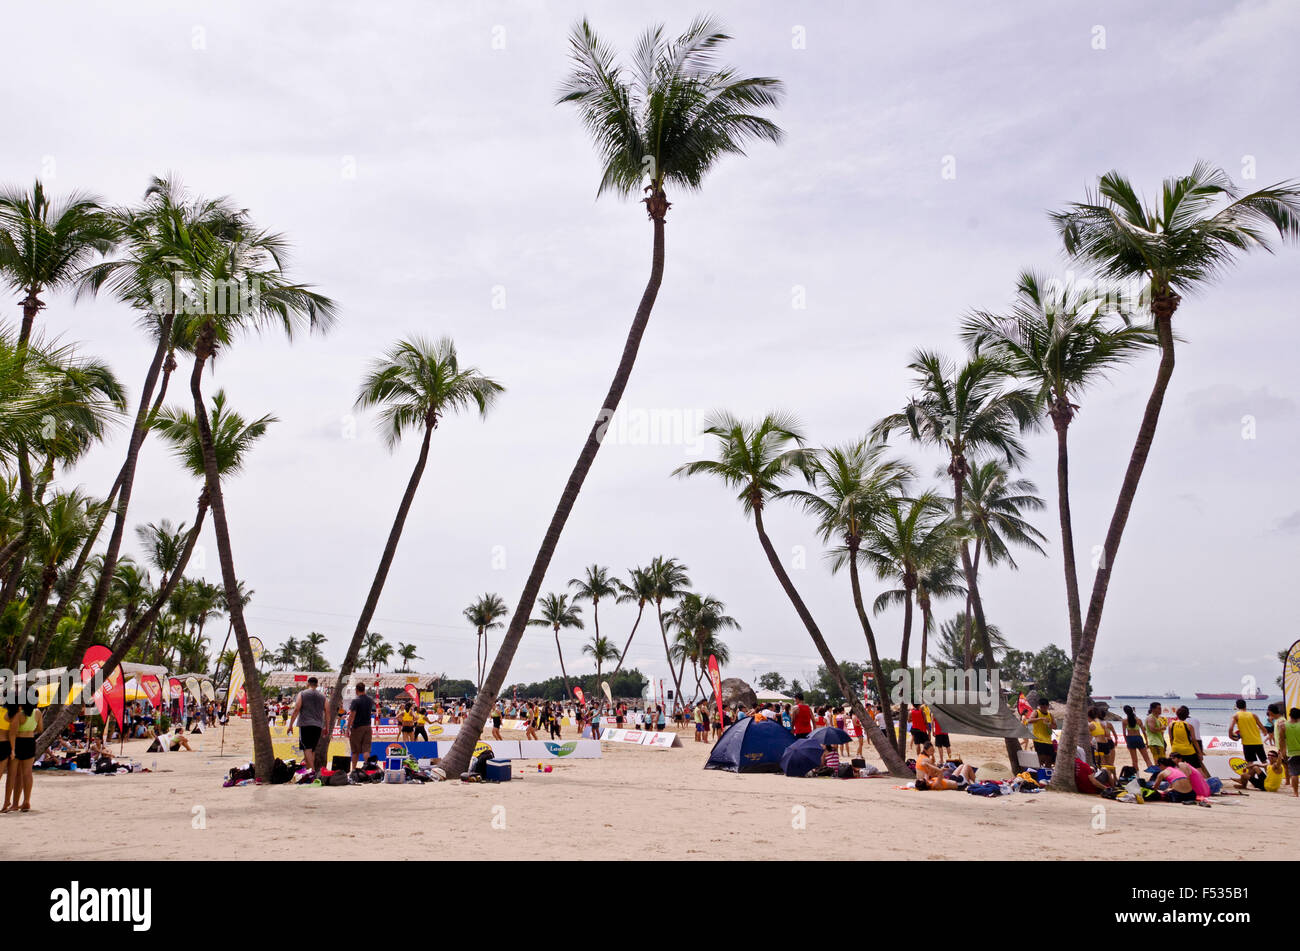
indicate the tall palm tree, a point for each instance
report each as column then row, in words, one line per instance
column 850, row 487
column 286, row 656
column 640, row 587
column 600, row 650
column 485, row 614
column 669, row 581
column 665, row 122
column 314, row 658
column 594, row 584
column 232, row 282
column 951, row 646
column 414, row 386
column 1059, row 339
column 754, row 457
column 557, row 613
column 230, row 438
column 1177, row 245
column 149, row 237
column 911, row 537
column 967, row 411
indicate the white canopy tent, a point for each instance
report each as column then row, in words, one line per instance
column 297, row 679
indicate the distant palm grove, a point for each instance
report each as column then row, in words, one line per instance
column 199, row 276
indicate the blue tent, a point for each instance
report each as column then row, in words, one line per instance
column 750, row 746
column 802, row 756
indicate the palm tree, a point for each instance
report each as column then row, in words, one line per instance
column 640, row 588
column 44, row 244
column 849, row 488
column 669, row 581
column 484, row 614
column 415, row 385
column 244, row 595
column 557, row 613
column 314, row 658
column 62, row 527
column 600, row 650
column 148, row 236
column 755, row 457
column 377, row 651
column 951, row 647
column 1059, row 340
column 965, row 410
column 668, row 122
column 595, row 584
column 229, row 440
column 911, row 536
column 408, row 653
column 701, row 616
column 232, row 282
column 287, row 656
column 1201, row 223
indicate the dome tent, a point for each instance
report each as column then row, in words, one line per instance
column 750, row 746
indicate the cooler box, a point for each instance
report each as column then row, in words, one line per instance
column 498, row 771
column 394, row 775
column 392, row 763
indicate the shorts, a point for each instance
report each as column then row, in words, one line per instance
column 1045, row 749
column 25, row 749
column 308, row 737
column 941, row 741
column 1134, row 742
column 1176, row 796
column 1257, row 780
column 920, row 737
column 1292, row 762
column 700, row 727
column 800, row 736
column 359, row 741
column 5, row 750
column 1105, row 746
column 1254, row 752
column 1191, row 759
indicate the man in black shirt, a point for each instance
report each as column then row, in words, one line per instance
column 357, row 724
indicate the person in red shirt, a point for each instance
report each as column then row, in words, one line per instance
column 802, row 718
column 1088, row 780
column 920, row 729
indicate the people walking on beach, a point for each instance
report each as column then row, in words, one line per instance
column 920, row 728
column 357, row 725
column 1247, row 727
column 309, row 713
column 496, row 721
column 421, row 724
column 942, row 742
column 1133, row 738
column 1041, row 723
column 8, row 729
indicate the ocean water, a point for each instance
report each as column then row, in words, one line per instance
column 1213, row 714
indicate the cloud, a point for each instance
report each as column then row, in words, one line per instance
column 1226, row 405
column 1290, row 525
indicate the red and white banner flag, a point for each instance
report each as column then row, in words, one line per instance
column 152, row 689
column 413, row 692
column 577, row 692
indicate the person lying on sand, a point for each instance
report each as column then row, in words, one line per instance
column 957, row 778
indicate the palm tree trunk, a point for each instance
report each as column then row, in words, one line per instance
column 876, row 668
column 478, row 659
column 663, row 633
column 902, row 662
column 372, row 598
column 1062, row 422
column 1163, row 306
column 925, row 633
column 35, row 612
column 893, row 762
column 977, row 605
column 563, row 673
column 263, row 752
column 146, row 621
column 458, row 759
column 639, row 612
column 100, row 597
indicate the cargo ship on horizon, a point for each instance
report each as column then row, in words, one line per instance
column 1239, row 695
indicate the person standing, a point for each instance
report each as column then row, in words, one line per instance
column 1155, row 726
column 802, row 718
column 1246, row 726
column 309, row 713
column 1184, row 740
column 496, row 721
column 1288, row 749
column 8, row 727
column 1133, row 738
column 357, row 724
column 29, row 727
column 1041, row 724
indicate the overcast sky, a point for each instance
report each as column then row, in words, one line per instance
column 414, row 155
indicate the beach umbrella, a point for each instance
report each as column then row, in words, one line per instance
column 830, row 736
column 801, row 757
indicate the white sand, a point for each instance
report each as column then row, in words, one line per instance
column 632, row 803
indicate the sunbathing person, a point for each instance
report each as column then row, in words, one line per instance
column 957, row 778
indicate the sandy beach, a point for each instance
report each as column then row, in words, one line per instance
column 632, row 803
